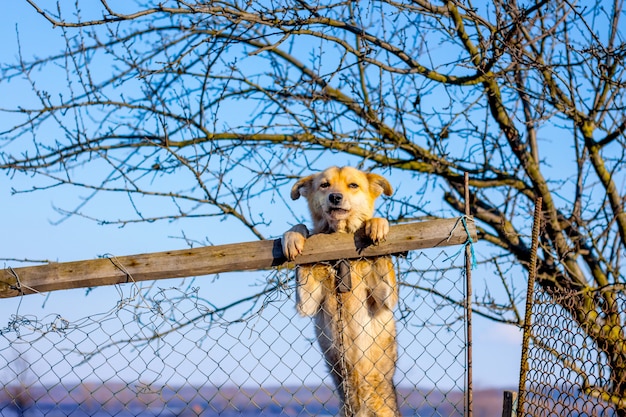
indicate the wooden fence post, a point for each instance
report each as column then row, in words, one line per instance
column 257, row 255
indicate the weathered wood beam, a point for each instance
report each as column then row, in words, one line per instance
column 257, row 255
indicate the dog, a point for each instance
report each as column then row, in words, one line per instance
column 354, row 320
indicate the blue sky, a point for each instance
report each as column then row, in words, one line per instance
column 29, row 233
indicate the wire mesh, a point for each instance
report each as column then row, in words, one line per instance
column 572, row 368
column 227, row 345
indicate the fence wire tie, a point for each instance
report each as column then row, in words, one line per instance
column 469, row 241
column 130, row 280
column 18, row 284
column 118, row 265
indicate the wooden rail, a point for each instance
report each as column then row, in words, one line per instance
column 257, row 255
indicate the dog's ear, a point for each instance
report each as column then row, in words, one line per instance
column 379, row 185
column 302, row 187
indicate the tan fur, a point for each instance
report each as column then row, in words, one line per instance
column 355, row 329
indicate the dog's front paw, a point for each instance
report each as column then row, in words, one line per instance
column 377, row 229
column 293, row 241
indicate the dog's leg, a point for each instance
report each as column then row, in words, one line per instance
column 372, row 338
column 382, row 401
column 376, row 229
column 293, row 241
column 374, row 370
column 310, row 290
column 381, row 281
column 379, row 278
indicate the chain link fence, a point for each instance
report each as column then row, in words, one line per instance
column 231, row 344
column 575, row 362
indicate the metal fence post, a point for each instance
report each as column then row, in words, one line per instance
column 468, row 307
column 532, row 275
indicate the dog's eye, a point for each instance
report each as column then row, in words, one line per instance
column 325, row 184
column 353, row 185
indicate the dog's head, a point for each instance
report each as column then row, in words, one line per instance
column 341, row 199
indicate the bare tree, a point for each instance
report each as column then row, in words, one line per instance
column 212, row 106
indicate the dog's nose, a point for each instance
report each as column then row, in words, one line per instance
column 335, row 198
